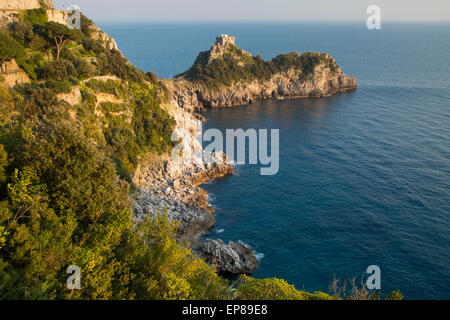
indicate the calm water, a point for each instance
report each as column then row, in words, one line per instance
column 364, row 177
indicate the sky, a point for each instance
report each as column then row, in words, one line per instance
column 258, row 10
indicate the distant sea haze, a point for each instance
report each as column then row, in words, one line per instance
column 364, row 177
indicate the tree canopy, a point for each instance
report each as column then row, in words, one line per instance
column 58, row 33
column 9, row 47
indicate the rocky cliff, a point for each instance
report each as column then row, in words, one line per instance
column 232, row 257
column 10, row 9
column 25, row 4
column 228, row 76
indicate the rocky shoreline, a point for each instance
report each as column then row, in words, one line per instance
column 165, row 184
column 171, row 185
column 322, row 78
column 194, row 96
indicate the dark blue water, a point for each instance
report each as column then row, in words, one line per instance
column 364, row 177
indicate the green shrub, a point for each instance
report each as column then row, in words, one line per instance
column 59, row 86
column 92, row 45
column 38, row 43
column 86, row 25
column 34, row 16
column 36, row 99
column 83, row 68
column 117, row 88
column 88, row 97
column 273, row 289
column 57, row 34
column 10, row 48
column 236, row 66
column 58, row 70
column 28, row 67
column 152, row 77
column 22, row 31
column 112, row 62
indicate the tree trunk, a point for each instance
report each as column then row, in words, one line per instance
column 59, row 45
column 4, row 69
column 58, row 51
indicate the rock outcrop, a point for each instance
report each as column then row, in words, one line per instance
column 10, row 9
column 25, row 4
column 98, row 34
column 9, row 13
column 172, row 186
column 232, row 257
column 325, row 79
column 13, row 74
column 194, row 96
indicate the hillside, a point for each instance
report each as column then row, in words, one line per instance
column 86, row 178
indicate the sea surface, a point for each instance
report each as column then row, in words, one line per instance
column 364, row 177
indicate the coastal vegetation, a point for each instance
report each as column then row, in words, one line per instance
column 236, row 65
column 66, row 166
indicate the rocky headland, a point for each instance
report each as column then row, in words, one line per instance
column 174, row 187
column 228, row 76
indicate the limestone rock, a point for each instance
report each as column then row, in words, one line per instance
column 231, row 257
column 24, row 4
column 73, row 97
column 13, row 74
column 289, row 84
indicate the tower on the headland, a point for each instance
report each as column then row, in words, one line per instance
column 223, row 45
column 225, row 39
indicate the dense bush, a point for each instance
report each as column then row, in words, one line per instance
column 77, row 212
column 86, row 25
column 273, row 289
column 22, row 31
column 58, row 70
column 57, row 34
column 149, row 131
column 65, row 206
column 83, row 68
column 114, row 63
column 58, row 86
column 92, row 45
column 35, row 99
column 34, row 16
column 117, row 88
column 9, row 48
column 236, row 66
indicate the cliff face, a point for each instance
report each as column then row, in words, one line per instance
column 9, row 10
column 194, row 96
column 25, row 4
column 280, row 80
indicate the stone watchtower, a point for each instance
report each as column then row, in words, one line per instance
column 225, row 39
column 222, row 46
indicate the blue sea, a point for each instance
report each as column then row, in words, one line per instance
column 364, row 177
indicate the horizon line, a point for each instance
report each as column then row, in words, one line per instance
column 265, row 21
